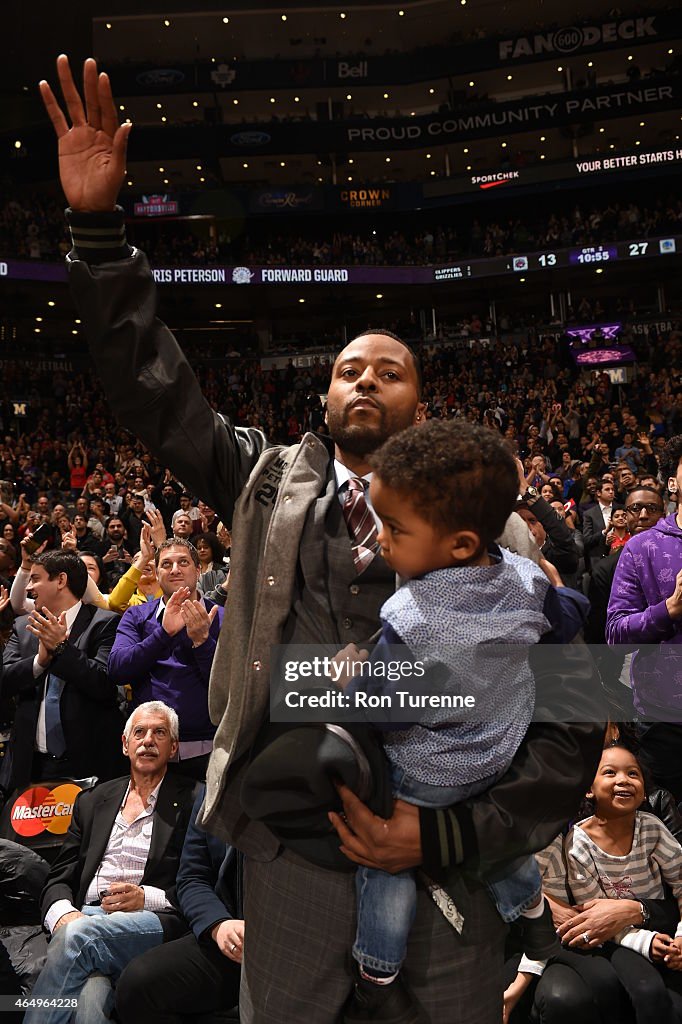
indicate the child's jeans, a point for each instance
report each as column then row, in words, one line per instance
column 387, row 903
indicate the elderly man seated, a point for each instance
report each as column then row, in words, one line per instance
column 118, row 865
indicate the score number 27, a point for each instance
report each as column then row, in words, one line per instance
column 638, row 248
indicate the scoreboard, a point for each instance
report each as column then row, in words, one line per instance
column 556, row 259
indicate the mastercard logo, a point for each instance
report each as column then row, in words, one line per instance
column 41, row 810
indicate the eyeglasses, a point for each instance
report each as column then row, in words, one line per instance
column 634, row 510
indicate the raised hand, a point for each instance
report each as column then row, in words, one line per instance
column 69, row 541
column 157, row 525
column 50, row 630
column 92, row 153
column 146, row 543
column 197, row 621
column 173, row 620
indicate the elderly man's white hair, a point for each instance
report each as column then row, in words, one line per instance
column 156, row 707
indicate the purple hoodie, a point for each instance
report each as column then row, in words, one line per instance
column 637, row 614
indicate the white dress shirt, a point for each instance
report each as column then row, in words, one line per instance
column 606, row 511
column 343, row 475
column 124, row 860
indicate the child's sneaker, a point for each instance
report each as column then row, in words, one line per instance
column 391, row 1004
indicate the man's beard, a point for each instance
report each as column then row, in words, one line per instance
column 357, row 439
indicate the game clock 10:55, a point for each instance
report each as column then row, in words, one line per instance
column 593, row 254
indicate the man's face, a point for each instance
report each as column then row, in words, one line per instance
column 182, row 526
column 80, row 524
column 372, row 395
column 185, row 503
column 116, row 531
column 82, row 506
column 43, row 506
column 176, row 569
column 45, row 592
column 149, row 745
column 168, row 491
column 137, row 504
column 97, row 508
column 536, row 529
column 643, row 509
column 57, row 512
column 606, row 493
column 627, row 478
column 592, row 485
column 110, row 490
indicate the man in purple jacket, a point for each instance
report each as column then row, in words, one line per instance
column 164, row 650
column 645, row 609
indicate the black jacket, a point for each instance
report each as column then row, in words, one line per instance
column 86, row 841
column 133, row 352
column 89, row 710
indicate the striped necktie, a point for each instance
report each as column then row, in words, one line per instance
column 361, row 525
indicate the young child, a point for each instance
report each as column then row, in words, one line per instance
column 619, row 852
column 443, row 494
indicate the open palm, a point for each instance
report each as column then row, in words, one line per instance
column 92, row 152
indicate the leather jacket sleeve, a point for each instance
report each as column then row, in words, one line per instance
column 151, row 386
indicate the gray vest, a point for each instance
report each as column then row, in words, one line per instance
column 332, row 604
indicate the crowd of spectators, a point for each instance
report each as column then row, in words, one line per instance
column 34, row 229
column 593, row 456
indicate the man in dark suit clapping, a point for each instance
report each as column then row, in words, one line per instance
column 596, row 522
column 55, row 665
